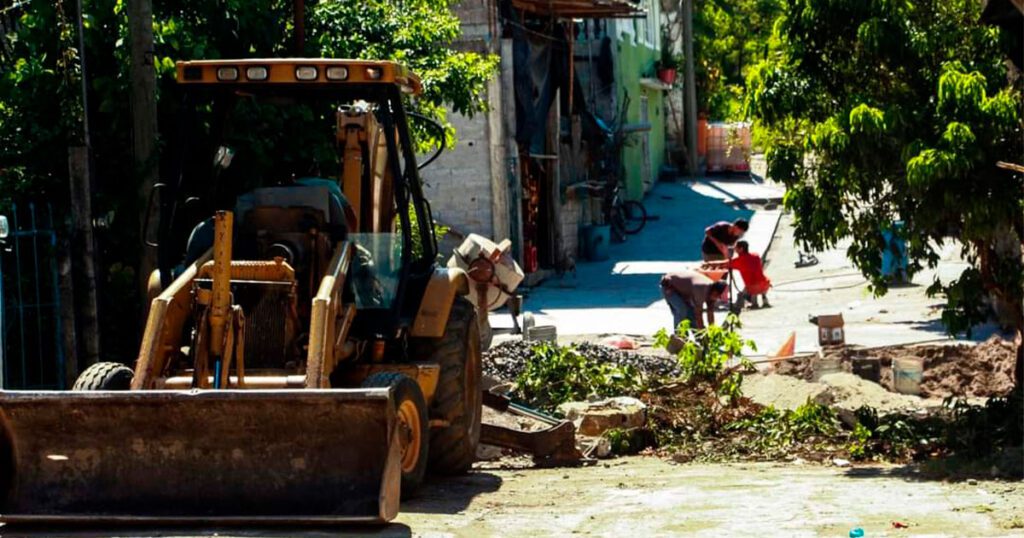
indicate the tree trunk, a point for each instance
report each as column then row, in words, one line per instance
column 83, row 247
column 144, row 126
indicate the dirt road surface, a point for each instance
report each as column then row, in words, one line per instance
column 644, row 496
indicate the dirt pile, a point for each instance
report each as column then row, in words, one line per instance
column 981, row 370
column 507, row 360
column 841, row 391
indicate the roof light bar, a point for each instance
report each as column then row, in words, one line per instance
column 337, row 73
column 257, row 73
column 227, row 73
column 305, row 72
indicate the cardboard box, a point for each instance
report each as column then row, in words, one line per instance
column 830, row 330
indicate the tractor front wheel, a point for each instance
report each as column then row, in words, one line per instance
column 414, row 434
column 105, row 376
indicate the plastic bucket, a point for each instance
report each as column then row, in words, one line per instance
column 907, row 374
column 824, row 366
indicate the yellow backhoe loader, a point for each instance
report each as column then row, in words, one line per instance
column 305, row 359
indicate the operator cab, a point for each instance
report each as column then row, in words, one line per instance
column 297, row 192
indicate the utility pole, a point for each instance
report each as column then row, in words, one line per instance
column 690, row 88
column 142, row 96
column 300, row 27
column 82, row 242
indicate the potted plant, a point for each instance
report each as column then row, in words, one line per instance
column 668, row 65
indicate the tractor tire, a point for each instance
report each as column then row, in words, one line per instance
column 411, row 412
column 105, row 376
column 457, row 399
column 486, row 333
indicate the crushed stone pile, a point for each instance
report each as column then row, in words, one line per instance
column 842, row 391
column 979, row 371
column 507, row 360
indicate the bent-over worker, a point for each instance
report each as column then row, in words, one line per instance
column 691, row 295
column 720, row 237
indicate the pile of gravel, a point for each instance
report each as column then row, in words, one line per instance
column 507, row 360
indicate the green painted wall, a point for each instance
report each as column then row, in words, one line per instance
column 635, row 61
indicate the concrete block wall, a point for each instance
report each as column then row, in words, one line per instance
column 571, row 216
column 458, row 183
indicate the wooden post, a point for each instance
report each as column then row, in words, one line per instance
column 84, row 255
column 83, row 246
column 300, row 27
column 142, row 97
column 66, row 289
column 515, row 187
column 691, row 90
column 553, row 166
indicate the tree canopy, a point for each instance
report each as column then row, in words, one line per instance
column 888, row 110
column 40, row 96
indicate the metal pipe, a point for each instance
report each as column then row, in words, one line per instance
column 39, row 299
column 17, row 283
column 58, row 323
column 221, row 298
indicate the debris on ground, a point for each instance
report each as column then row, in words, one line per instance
column 722, row 410
column 619, row 341
column 980, row 371
column 597, row 417
column 507, row 360
column 841, row 391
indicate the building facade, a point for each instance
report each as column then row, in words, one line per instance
column 525, row 169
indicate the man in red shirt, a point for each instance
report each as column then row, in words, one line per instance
column 752, row 270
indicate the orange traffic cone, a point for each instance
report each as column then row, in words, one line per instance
column 788, row 349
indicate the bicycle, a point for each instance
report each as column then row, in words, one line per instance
column 627, row 217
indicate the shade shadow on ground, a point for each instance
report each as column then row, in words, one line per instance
column 675, row 237
column 451, row 495
column 392, row 530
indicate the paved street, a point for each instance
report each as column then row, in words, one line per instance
column 621, row 296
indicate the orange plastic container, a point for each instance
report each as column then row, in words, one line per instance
column 702, row 135
column 728, row 147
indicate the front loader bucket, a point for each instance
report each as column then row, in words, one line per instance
column 215, row 456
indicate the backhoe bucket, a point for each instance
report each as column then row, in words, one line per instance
column 215, row 456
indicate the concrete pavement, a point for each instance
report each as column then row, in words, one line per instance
column 621, row 295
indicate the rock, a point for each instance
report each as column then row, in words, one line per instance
column 840, row 462
column 595, row 447
column 488, row 452
column 595, row 418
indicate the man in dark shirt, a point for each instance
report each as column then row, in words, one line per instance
column 689, row 295
column 720, row 237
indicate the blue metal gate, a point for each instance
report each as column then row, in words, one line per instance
column 31, row 350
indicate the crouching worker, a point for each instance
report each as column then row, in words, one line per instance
column 691, row 295
column 755, row 284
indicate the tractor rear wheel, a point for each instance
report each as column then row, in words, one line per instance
column 411, row 412
column 105, row 376
column 458, row 399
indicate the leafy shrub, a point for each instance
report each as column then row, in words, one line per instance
column 557, row 374
column 713, row 354
column 774, row 429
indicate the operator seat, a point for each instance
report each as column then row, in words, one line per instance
column 318, row 194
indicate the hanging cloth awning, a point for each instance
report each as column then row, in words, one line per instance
column 583, row 9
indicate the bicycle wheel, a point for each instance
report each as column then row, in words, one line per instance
column 634, row 217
